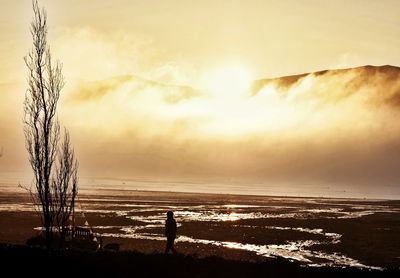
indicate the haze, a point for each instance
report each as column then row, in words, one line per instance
column 165, row 90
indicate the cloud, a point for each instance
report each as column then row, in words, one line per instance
column 331, row 126
column 375, row 85
column 90, row 54
column 322, row 128
column 94, row 90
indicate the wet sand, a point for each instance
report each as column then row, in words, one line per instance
column 311, row 231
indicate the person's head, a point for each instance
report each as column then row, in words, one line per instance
column 170, row 214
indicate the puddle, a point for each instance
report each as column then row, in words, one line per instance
column 294, row 250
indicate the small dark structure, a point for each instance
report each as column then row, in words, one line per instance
column 78, row 237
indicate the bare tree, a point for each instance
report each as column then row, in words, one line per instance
column 42, row 130
column 64, row 186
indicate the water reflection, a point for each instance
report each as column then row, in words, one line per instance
column 148, row 215
column 294, row 250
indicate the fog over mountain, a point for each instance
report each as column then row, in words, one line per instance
column 324, row 128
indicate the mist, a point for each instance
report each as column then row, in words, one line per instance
column 325, row 128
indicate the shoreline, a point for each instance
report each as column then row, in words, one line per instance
column 219, row 186
column 92, row 192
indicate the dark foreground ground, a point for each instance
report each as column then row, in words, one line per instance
column 313, row 231
column 24, row 261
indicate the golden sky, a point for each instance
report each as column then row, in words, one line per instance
column 179, row 40
column 163, row 88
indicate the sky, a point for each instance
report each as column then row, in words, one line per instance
column 163, row 89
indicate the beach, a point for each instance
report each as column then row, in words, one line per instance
column 314, row 232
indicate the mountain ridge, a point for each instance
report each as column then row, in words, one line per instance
column 349, row 80
column 287, row 81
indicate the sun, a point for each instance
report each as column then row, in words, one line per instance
column 229, row 81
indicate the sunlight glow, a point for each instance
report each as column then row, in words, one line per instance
column 228, row 81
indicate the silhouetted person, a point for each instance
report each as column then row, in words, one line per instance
column 170, row 232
